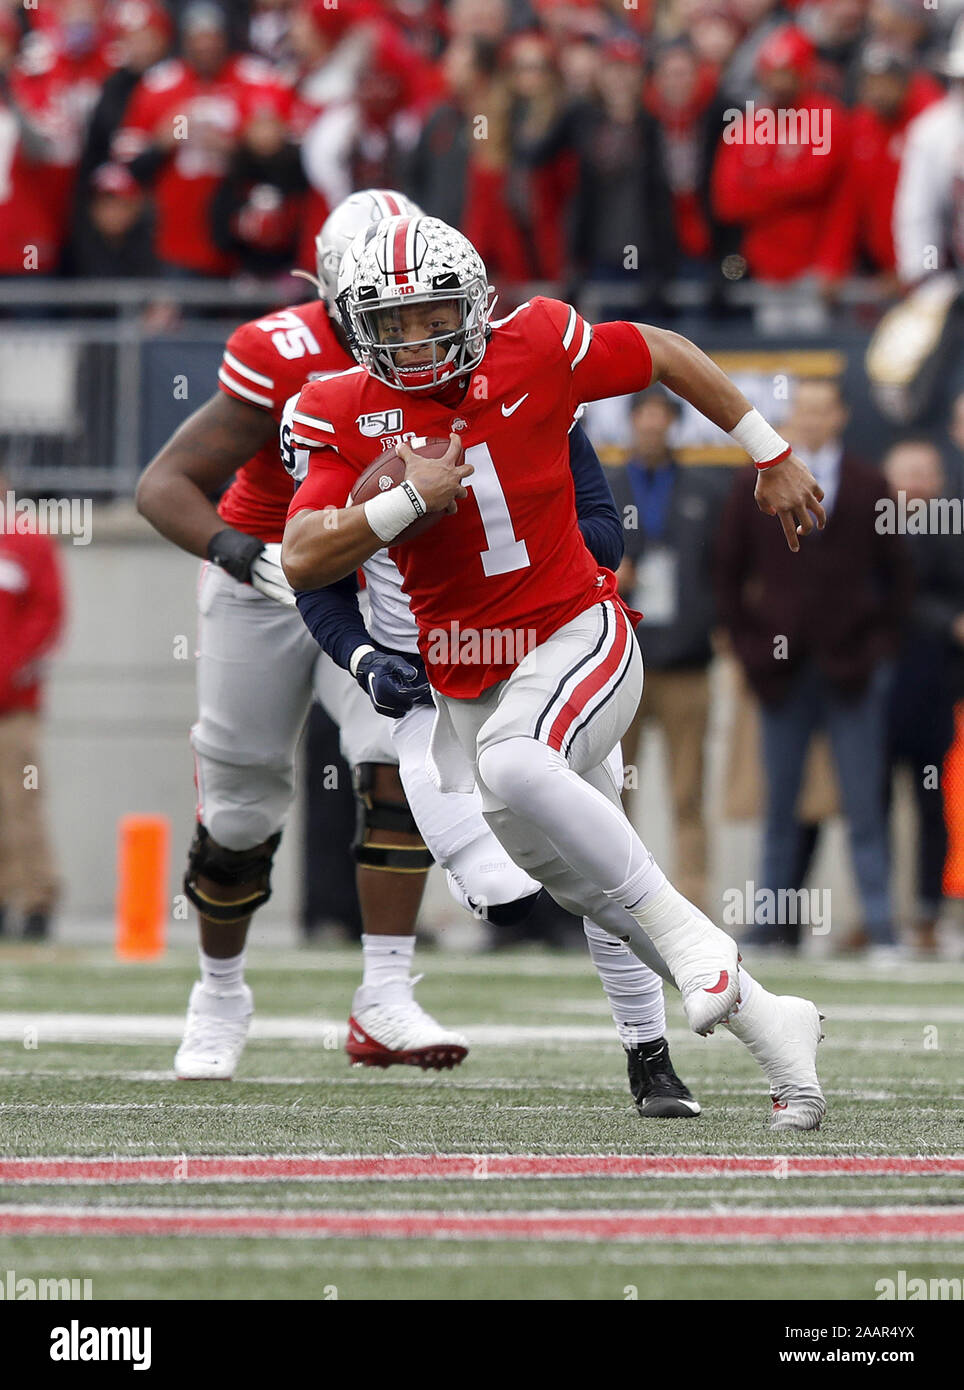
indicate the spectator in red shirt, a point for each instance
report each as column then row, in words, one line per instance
column 46, row 94
column 540, row 191
column 682, row 96
column 891, row 95
column 31, row 612
column 78, row 34
column 64, row 63
column 29, row 229
column 778, row 189
column 337, row 44
column 179, row 131
column 358, row 78
column 141, row 35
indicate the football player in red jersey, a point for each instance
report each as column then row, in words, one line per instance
column 258, row 669
column 528, row 647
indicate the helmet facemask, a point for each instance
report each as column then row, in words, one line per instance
column 407, row 265
column 384, row 343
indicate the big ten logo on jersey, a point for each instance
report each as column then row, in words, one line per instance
column 382, row 422
column 289, row 334
column 392, row 441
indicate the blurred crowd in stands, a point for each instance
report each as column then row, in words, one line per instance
column 567, row 138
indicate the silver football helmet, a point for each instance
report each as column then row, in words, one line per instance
column 343, row 223
column 405, row 263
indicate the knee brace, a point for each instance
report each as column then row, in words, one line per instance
column 249, row 869
column 372, row 815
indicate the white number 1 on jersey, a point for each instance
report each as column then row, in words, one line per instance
column 504, row 553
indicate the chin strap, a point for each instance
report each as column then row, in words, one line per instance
column 312, row 280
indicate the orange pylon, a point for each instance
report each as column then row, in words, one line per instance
column 142, row 907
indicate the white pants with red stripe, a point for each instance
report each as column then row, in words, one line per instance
column 540, row 745
column 577, row 693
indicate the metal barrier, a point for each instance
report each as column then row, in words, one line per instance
column 88, row 368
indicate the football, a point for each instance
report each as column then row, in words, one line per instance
column 388, row 471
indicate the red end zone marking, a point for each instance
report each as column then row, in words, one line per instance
column 860, row 1224
column 399, row 1167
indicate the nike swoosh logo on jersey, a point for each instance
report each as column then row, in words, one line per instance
column 509, row 409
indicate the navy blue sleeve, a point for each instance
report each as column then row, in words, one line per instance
column 599, row 519
column 333, row 618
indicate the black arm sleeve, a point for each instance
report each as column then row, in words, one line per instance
column 333, row 618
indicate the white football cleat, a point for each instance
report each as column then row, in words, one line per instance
column 782, row 1033
column 388, row 1027
column 706, row 1005
column 217, row 1029
column 702, row 959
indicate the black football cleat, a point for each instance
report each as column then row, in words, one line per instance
column 657, row 1091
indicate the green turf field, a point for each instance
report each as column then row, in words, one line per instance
column 86, row 1046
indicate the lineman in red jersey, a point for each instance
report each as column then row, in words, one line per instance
column 257, row 671
column 532, row 715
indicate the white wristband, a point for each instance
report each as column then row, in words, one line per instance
column 390, row 512
column 758, row 439
column 356, row 657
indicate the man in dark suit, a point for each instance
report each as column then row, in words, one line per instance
column 817, row 634
column 670, row 515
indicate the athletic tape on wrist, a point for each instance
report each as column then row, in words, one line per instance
column 390, row 513
column 760, row 440
column 355, row 659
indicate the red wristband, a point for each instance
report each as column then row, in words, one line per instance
column 779, row 459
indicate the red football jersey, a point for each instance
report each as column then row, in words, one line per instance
column 512, row 557
column 265, row 362
column 214, row 112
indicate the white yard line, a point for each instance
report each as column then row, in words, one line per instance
column 16, row 1025
column 535, row 965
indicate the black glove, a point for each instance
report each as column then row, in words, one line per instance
column 235, row 552
column 392, row 684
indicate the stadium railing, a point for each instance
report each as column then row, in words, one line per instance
column 95, row 375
